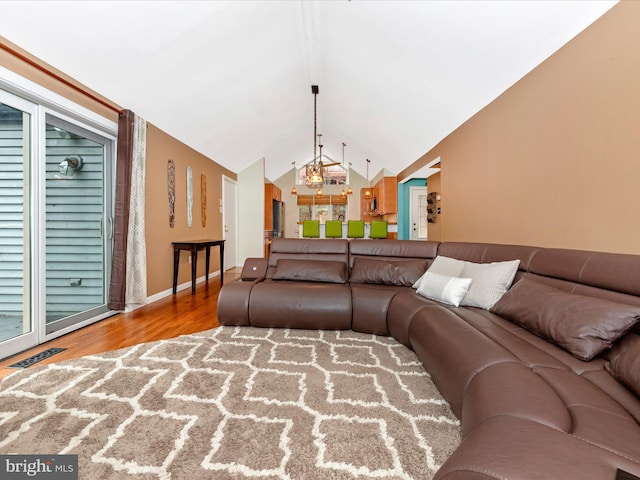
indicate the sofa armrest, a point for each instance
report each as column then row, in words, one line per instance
column 254, row 269
column 233, row 302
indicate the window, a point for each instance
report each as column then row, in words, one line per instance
column 333, row 175
column 322, row 207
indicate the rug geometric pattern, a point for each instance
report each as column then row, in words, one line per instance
column 236, row 402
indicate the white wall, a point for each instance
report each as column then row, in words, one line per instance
column 381, row 174
column 251, row 211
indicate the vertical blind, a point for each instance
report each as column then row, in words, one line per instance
column 322, row 200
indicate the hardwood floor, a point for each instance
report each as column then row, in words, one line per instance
column 167, row 318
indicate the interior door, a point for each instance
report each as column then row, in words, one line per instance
column 418, row 207
column 229, row 224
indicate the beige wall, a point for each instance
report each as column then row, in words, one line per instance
column 555, row 160
column 434, row 230
column 160, row 148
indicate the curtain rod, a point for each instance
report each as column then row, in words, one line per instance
column 59, row 78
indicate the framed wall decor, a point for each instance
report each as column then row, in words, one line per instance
column 171, row 186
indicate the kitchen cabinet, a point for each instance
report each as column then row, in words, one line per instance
column 273, row 214
column 386, row 194
column 366, row 198
column 379, row 200
column 271, row 193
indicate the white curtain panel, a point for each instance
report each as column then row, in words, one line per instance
column 136, row 291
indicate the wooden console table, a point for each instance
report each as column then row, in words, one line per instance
column 193, row 246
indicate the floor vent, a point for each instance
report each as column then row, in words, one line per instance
column 27, row 362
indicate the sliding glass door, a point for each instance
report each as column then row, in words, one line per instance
column 17, row 329
column 56, row 189
column 77, row 223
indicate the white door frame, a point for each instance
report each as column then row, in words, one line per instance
column 230, row 183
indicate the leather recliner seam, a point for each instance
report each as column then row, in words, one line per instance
column 465, row 468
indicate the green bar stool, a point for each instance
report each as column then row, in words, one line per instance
column 333, row 229
column 311, row 228
column 379, row 229
column 355, row 229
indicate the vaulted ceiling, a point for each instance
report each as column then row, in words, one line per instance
column 232, row 79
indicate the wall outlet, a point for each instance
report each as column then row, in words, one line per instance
column 189, row 258
column 75, row 282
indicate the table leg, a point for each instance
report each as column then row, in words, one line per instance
column 194, row 269
column 206, row 273
column 222, row 264
column 176, row 260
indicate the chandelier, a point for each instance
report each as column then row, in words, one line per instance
column 315, row 170
column 349, row 190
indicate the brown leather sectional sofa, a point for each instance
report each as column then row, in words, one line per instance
column 529, row 408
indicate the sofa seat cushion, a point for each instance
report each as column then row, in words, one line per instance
column 452, row 351
column 616, row 433
column 285, row 304
column 529, row 348
column 402, row 309
column 597, row 417
column 621, row 394
column 513, row 448
column 512, row 389
column 370, row 305
column 584, row 326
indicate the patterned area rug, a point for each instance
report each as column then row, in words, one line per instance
column 234, row 403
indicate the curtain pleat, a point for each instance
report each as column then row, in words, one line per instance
column 136, row 283
column 118, row 282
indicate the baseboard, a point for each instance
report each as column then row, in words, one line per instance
column 167, row 293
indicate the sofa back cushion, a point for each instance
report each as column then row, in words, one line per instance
column 443, row 288
column 489, row 281
column 584, row 326
column 323, row 271
column 613, row 276
column 488, row 252
column 625, row 363
column 392, row 249
column 609, row 271
column 386, row 272
column 307, row 249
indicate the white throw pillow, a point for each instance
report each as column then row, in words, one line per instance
column 489, row 283
column 450, row 267
column 443, row 288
